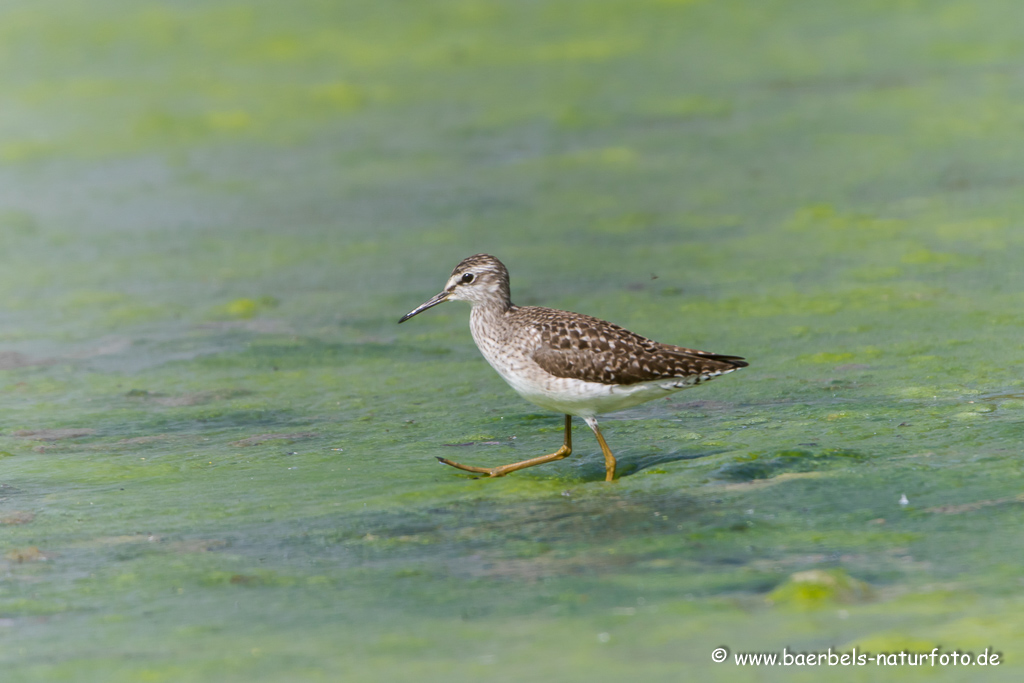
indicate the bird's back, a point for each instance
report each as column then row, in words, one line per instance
column 577, row 346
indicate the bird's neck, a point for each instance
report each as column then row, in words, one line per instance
column 492, row 307
column 490, row 312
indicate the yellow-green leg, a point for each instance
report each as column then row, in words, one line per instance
column 562, row 452
column 609, row 459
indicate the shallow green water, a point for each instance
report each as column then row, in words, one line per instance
column 217, row 447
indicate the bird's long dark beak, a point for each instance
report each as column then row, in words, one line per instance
column 433, row 301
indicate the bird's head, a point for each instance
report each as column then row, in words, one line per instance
column 480, row 279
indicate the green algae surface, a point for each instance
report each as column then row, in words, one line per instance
column 217, row 451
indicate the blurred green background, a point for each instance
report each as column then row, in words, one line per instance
column 217, row 447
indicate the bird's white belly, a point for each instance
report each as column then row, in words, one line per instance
column 565, row 395
column 587, row 399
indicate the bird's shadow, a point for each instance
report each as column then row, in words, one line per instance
column 592, row 469
column 628, row 465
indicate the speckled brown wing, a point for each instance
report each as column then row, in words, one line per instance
column 580, row 347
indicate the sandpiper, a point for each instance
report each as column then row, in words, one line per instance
column 567, row 362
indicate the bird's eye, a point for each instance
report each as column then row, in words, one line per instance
column 466, row 278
